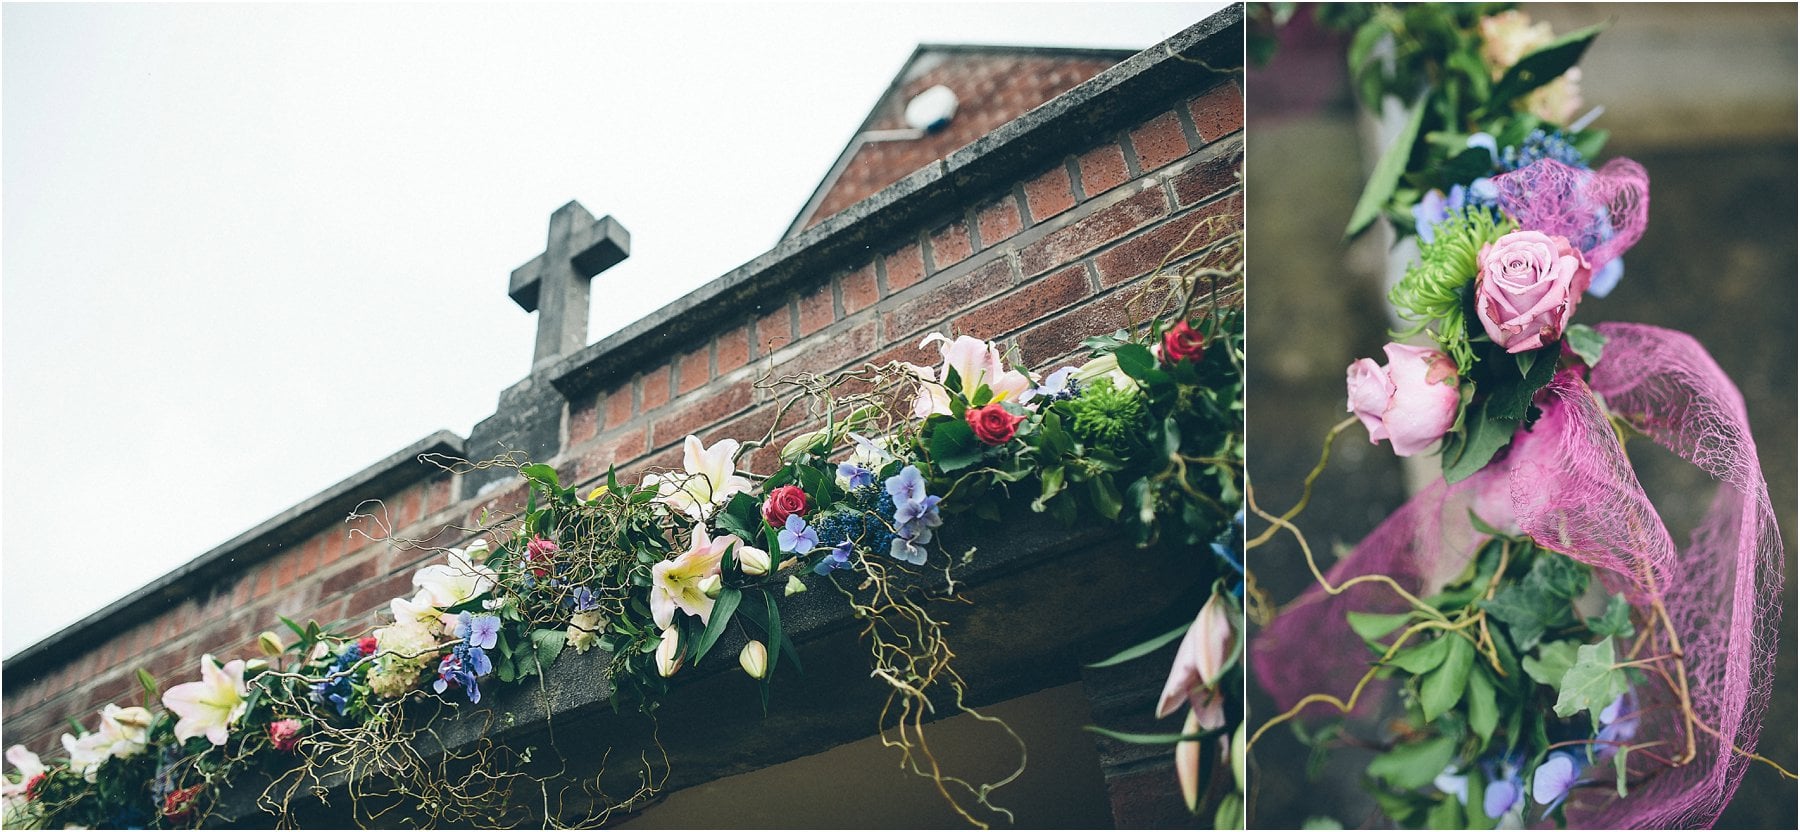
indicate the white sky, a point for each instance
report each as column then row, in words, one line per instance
column 248, row 251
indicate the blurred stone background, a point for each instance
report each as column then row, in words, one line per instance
column 1704, row 97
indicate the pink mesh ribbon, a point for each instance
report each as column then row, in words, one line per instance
column 1568, row 484
column 1602, row 212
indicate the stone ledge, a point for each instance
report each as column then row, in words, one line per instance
column 1103, row 104
column 271, row 537
column 1045, row 599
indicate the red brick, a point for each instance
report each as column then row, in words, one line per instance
column 343, row 580
column 1029, row 302
column 775, row 329
column 335, row 548
column 1065, row 244
column 816, row 311
column 656, row 388
column 1049, row 194
column 1063, row 333
column 998, row 221
column 617, row 450
column 582, row 423
column 834, row 353
column 950, row 245
column 1102, row 169
column 501, row 506
column 667, row 459
column 908, row 351
column 1207, row 177
column 734, row 349
column 618, row 407
column 690, row 415
column 412, row 508
column 694, row 371
column 935, row 305
column 1158, row 142
column 379, row 595
column 308, row 554
column 438, row 497
column 1218, row 112
column 265, row 579
column 1168, row 243
column 860, row 291
column 905, row 267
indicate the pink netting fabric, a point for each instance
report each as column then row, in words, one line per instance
column 1602, row 212
column 1568, row 484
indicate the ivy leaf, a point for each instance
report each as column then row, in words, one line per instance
column 1587, row 342
column 1413, row 765
column 1387, row 173
column 1484, row 707
column 1540, row 600
column 740, row 517
column 1373, row 627
column 954, row 446
column 1616, row 621
column 542, row 474
column 1593, row 683
column 1136, row 361
column 546, row 645
column 1552, row 662
column 1423, row 658
column 1443, row 687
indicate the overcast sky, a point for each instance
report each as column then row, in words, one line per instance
column 248, row 251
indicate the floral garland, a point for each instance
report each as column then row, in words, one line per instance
column 1146, row 434
column 1513, row 637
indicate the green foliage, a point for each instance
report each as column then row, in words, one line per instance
column 1592, row 683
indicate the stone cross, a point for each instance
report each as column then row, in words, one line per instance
column 555, row 284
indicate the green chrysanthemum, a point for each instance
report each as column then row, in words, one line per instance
column 1432, row 290
column 1105, row 415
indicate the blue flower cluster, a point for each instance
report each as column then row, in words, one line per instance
column 869, row 526
column 1541, row 145
column 335, row 690
column 468, row 661
column 915, row 515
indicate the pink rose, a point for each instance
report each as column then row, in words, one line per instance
column 782, row 502
column 284, row 734
column 1527, row 287
column 1412, row 401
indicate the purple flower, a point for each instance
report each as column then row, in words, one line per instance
column 1056, row 386
column 1431, row 209
column 1553, row 779
column 855, row 475
column 484, row 631
column 462, row 668
column 796, row 536
column 915, row 515
column 837, row 558
column 584, row 599
column 906, row 550
column 1606, row 277
column 1502, row 795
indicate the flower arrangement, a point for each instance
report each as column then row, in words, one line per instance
column 1146, row 433
column 1519, row 642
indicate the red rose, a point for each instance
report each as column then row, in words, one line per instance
column 284, row 734
column 366, row 644
column 178, row 807
column 539, row 551
column 35, row 785
column 1182, row 343
column 992, row 424
column 783, row 501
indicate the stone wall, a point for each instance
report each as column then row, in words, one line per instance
column 1037, row 233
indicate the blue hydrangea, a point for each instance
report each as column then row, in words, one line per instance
column 335, row 690
column 463, row 667
column 1541, row 145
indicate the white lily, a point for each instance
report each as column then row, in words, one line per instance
column 976, row 363
column 676, row 583
column 126, row 730
column 208, row 707
column 85, row 754
column 455, row 581
column 418, row 612
column 710, row 480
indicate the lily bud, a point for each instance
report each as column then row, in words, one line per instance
column 753, row 561
column 255, row 666
column 1238, row 749
column 805, row 442
column 1187, row 763
column 795, row 586
column 711, row 586
column 754, row 659
column 269, row 644
column 667, row 658
column 477, row 551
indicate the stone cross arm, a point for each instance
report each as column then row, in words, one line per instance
column 555, row 283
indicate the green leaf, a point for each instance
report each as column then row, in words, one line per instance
column 1321, row 822
column 1443, row 687
column 1423, row 658
column 1511, row 395
column 1541, row 600
column 1230, row 814
column 298, row 630
column 1587, row 342
column 546, row 645
column 1619, row 767
column 1052, row 480
column 1552, row 662
column 741, row 517
column 1387, row 173
column 1136, row 361
column 1616, row 621
column 1415, row 764
column 1541, row 66
column 543, row 474
column 1142, row 648
column 1484, row 707
column 1149, row 739
column 726, row 604
column 1528, row 359
column 954, row 446
column 1447, row 813
column 1105, row 496
column 1373, row 627
column 1486, row 436
column 1593, row 683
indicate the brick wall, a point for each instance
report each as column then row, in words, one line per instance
column 1041, row 262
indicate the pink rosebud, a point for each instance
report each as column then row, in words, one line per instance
column 538, row 552
column 1412, row 401
column 284, row 734
column 1527, row 288
column 1199, row 663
